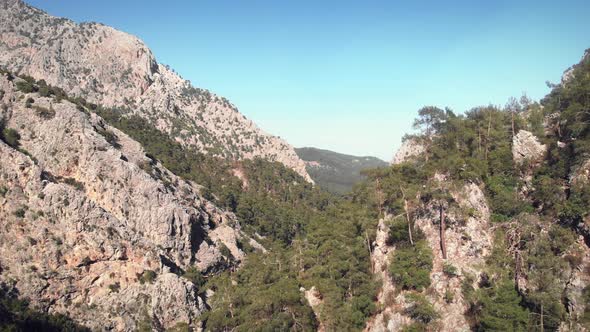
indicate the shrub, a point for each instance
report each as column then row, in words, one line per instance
column 3, row 191
column 420, row 309
column 74, row 183
column 449, row 296
column 148, row 276
column 224, row 250
column 17, row 315
column 449, row 270
column 410, row 266
column 11, row 137
column 561, row 239
column 415, row 327
column 20, row 212
column 115, row 287
column 501, row 310
column 398, row 233
column 245, row 246
column 503, row 197
column 180, row 327
column 44, row 113
column 193, row 275
column 26, row 86
column 44, row 90
column 586, row 301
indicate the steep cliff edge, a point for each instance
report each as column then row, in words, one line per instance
column 468, row 241
column 94, row 228
column 115, row 69
column 487, row 230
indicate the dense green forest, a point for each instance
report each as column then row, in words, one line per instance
column 336, row 172
column 317, row 239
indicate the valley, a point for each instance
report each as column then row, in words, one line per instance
column 131, row 200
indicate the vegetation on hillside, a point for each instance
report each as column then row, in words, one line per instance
column 336, row 172
column 17, row 315
column 477, row 147
column 314, row 238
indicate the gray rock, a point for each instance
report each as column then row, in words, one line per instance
column 115, row 69
column 409, row 149
column 526, row 147
column 79, row 225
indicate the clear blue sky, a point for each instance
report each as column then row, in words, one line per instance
column 350, row 75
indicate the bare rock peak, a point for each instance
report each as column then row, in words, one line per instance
column 116, row 69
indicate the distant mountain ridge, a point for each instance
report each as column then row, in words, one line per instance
column 336, row 172
column 115, row 69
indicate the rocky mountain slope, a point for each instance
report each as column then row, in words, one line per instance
column 485, row 236
column 336, row 172
column 115, row 69
column 92, row 227
column 469, row 240
column 409, row 149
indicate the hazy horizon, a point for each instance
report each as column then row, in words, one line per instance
column 349, row 77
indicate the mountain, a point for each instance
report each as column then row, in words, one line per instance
column 117, row 70
column 88, row 217
column 336, row 172
column 110, row 219
column 488, row 231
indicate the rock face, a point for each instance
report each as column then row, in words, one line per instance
column 314, row 298
column 410, row 148
column 526, row 147
column 89, row 229
column 581, row 175
column 574, row 291
column 568, row 74
column 469, row 240
column 115, row 69
column 391, row 318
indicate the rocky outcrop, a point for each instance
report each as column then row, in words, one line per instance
column 391, row 317
column 574, row 290
column 93, row 228
column 115, row 69
column 581, row 174
column 468, row 241
column 568, row 74
column 409, row 149
column 314, row 299
column 527, row 148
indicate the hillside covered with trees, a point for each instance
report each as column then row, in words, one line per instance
column 336, row 172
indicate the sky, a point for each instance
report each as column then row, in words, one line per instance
column 349, row 76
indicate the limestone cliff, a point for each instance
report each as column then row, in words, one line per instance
column 468, row 239
column 409, row 149
column 471, row 238
column 91, row 227
column 115, row 69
